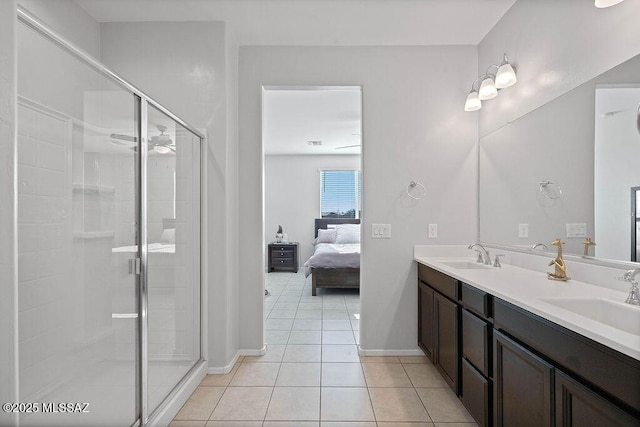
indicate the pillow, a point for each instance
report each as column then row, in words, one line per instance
column 168, row 235
column 348, row 233
column 326, row 236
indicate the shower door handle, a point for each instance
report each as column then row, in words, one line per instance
column 134, row 266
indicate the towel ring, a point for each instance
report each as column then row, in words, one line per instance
column 550, row 190
column 421, row 193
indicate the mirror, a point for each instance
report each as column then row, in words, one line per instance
column 568, row 169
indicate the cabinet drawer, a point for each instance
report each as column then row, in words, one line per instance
column 476, row 392
column 447, row 286
column 286, row 253
column 476, row 300
column 282, row 262
column 476, row 339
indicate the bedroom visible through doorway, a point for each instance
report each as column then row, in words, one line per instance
column 312, row 143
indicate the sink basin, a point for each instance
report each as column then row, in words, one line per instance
column 465, row 265
column 613, row 313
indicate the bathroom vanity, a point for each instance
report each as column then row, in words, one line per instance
column 519, row 349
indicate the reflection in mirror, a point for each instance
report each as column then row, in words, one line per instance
column 617, row 148
column 557, row 172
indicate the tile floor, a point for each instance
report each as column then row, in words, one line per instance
column 312, row 375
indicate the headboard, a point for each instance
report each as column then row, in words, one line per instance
column 321, row 223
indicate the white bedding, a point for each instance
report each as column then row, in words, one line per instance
column 333, row 255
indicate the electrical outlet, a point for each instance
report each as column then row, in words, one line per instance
column 523, row 231
column 381, row 231
column 577, row 230
column 433, row 231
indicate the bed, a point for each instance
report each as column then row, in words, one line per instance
column 334, row 265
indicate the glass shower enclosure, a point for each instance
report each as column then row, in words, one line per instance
column 109, row 288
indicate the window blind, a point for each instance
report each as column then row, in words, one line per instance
column 340, row 193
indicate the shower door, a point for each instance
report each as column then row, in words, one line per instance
column 109, row 288
column 77, row 221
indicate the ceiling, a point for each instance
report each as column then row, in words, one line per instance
column 294, row 116
column 322, row 22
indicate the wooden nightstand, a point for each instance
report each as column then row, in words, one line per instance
column 283, row 257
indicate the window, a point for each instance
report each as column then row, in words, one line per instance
column 340, row 193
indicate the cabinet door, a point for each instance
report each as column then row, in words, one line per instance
column 425, row 319
column 522, row 385
column 577, row 406
column 446, row 349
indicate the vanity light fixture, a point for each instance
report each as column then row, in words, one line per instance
column 473, row 102
column 504, row 77
column 600, row 4
column 487, row 88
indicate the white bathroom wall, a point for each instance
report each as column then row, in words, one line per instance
column 233, row 192
column 8, row 194
column 69, row 20
column 414, row 128
column 556, row 46
column 183, row 66
column 292, row 196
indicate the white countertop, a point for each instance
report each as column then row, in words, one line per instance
column 525, row 288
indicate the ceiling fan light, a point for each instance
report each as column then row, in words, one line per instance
column 162, row 149
column 472, row 103
column 487, row 89
column 506, row 75
column 606, row 3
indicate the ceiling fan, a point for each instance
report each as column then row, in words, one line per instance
column 161, row 144
column 349, row 146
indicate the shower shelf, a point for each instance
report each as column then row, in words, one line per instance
column 86, row 235
column 88, row 188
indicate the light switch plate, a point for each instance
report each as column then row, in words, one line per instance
column 433, row 231
column 523, row 231
column 578, row 229
column 381, row 231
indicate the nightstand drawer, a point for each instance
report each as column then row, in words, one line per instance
column 275, row 248
column 286, row 253
column 288, row 262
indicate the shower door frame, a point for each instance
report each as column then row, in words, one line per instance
column 142, row 101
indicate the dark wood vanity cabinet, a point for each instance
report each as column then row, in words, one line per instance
column 476, row 332
column 425, row 319
column 511, row 367
column 446, row 354
column 438, row 322
column 522, row 385
column 578, row 406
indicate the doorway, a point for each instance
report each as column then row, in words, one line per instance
column 312, row 144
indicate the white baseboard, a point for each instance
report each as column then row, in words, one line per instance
column 221, row 370
column 171, row 408
column 379, row 352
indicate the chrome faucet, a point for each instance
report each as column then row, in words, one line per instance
column 634, row 292
column 482, row 257
column 537, row 245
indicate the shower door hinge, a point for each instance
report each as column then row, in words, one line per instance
column 134, row 266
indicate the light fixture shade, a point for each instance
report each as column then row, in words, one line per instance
column 606, row 3
column 506, row 76
column 487, row 89
column 161, row 149
column 473, row 103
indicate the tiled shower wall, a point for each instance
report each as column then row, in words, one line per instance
column 44, row 246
